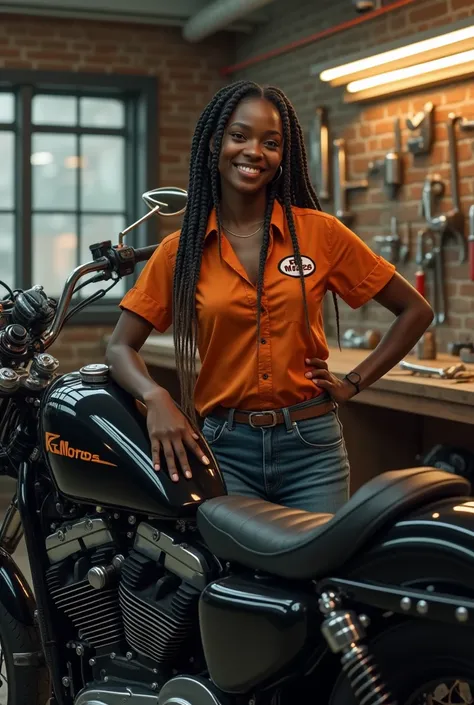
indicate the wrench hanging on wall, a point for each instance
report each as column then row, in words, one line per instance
column 342, row 186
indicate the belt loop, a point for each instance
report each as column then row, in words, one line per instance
column 230, row 420
column 287, row 418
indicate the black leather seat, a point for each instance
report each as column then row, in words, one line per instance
column 296, row 544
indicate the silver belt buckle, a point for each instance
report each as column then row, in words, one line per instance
column 273, row 422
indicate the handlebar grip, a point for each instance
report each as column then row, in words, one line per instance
column 142, row 254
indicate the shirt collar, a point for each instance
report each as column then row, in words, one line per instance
column 277, row 221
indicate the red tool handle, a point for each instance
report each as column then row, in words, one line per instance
column 420, row 282
column 471, row 259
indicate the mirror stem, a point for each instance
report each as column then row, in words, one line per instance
column 140, row 221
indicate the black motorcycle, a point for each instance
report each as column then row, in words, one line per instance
column 150, row 592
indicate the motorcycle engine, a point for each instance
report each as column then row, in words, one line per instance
column 137, row 603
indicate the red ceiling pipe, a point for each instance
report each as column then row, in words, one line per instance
column 304, row 41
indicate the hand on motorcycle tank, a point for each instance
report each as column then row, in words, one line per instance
column 170, row 430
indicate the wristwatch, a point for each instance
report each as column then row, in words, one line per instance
column 355, row 379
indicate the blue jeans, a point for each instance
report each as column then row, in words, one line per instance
column 303, row 464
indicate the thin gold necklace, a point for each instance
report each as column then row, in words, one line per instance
column 243, row 237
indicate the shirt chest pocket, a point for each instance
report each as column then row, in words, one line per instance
column 291, row 298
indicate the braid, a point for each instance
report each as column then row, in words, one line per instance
column 293, row 188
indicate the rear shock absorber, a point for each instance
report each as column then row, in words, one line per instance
column 344, row 631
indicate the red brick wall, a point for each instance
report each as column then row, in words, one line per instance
column 188, row 75
column 368, row 128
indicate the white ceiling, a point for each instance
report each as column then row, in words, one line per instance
column 169, row 12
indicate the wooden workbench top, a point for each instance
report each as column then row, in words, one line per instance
column 396, row 390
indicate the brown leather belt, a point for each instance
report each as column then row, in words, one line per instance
column 268, row 419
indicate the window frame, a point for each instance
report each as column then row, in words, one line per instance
column 140, row 93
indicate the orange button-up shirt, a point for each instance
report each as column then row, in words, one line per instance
column 232, row 375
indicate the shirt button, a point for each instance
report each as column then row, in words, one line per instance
column 263, row 341
column 265, row 376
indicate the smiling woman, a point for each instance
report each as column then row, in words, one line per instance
column 243, row 281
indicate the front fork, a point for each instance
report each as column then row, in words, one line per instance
column 11, row 530
column 344, row 632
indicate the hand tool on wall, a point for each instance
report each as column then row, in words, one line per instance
column 391, row 165
column 319, row 157
column 392, row 247
column 423, row 121
column 342, row 186
column 423, row 237
column 455, row 348
column 450, row 225
column 470, row 240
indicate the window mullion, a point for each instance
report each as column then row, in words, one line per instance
column 23, row 188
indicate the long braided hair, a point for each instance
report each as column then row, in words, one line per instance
column 293, row 188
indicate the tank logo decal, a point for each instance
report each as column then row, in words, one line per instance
column 63, row 448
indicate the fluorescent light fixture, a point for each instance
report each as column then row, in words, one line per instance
column 398, row 67
column 410, row 71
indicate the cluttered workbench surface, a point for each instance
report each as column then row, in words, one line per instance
column 451, row 399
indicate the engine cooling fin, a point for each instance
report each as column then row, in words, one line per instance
column 94, row 613
column 158, row 618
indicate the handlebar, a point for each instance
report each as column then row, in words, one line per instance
column 120, row 260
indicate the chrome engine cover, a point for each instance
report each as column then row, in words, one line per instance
column 182, row 690
column 114, row 696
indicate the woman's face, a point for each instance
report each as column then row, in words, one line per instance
column 252, row 146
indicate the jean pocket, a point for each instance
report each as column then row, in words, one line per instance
column 213, row 430
column 321, row 433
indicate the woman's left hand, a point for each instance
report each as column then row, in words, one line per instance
column 339, row 390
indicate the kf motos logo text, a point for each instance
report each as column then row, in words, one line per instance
column 289, row 266
column 55, row 445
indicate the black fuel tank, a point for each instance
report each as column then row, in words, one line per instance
column 95, row 442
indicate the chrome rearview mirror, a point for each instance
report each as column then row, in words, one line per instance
column 169, row 199
column 166, row 201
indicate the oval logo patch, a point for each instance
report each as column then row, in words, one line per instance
column 289, row 266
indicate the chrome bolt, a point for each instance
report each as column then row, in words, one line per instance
column 156, row 535
column 106, row 678
column 61, row 536
column 132, row 520
column 364, row 620
column 422, row 607
column 92, row 662
column 405, row 604
column 80, row 650
column 65, row 681
column 116, row 515
column 462, row 615
column 154, row 686
column 155, row 671
column 89, row 524
column 113, row 655
column 129, row 534
column 129, row 655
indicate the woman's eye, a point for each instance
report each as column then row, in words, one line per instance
column 272, row 145
column 237, row 135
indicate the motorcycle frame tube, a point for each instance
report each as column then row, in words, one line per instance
column 36, row 554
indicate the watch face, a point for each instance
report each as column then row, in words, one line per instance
column 354, row 377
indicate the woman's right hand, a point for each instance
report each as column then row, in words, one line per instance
column 171, row 431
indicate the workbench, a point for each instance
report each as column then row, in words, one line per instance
column 390, row 425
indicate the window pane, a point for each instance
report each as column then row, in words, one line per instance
column 54, row 110
column 54, row 171
column 101, row 112
column 103, row 173
column 7, row 107
column 7, row 145
column 54, row 250
column 7, row 251
column 95, row 228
